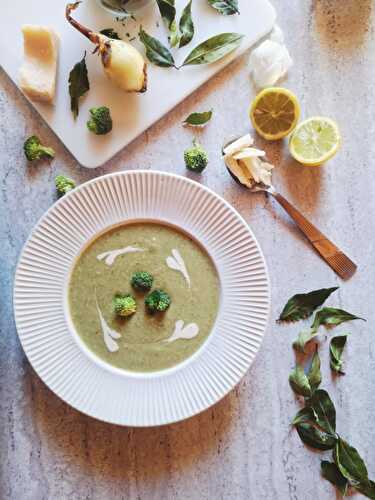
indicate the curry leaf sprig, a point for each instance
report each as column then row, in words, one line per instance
column 315, row 423
column 316, row 426
column 302, row 306
column 211, row 50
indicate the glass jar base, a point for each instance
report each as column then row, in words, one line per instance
column 120, row 8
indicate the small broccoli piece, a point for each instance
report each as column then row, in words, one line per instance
column 34, row 150
column 142, row 281
column 100, row 122
column 157, row 300
column 196, row 158
column 124, row 305
column 64, row 184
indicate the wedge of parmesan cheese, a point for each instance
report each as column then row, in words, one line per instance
column 38, row 71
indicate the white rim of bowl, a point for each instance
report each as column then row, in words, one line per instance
column 240, row 373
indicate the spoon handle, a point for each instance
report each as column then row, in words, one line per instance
column 334, row 257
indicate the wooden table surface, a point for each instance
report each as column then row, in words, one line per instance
column 243, row 448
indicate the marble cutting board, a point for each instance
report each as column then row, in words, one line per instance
column 132, row 113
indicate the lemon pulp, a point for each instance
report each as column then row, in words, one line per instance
column 274, row 113
column 315, row 141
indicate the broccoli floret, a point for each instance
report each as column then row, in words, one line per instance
column 34, row 150
column 64, row 184
column 100, row 122
column 124, row 305
column 196, row 158
column 158, row 300
column 142, row 281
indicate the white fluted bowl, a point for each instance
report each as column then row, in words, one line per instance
column 116, row 396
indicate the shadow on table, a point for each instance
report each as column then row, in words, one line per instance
column 299, row 184
column 302, row 185
column 114, row 453
column 340, row 25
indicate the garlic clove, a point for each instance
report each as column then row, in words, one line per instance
column 269, row 62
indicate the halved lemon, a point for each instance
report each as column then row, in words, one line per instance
column 274, row 113
column 315, row 141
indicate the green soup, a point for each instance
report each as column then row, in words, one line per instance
column 144, row 342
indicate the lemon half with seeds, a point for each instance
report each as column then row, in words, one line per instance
column 274, row 113
column 315, row 141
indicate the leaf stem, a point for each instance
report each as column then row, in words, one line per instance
column 91, row 35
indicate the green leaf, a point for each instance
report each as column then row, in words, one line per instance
column 156, row 52
column 167, row 11
column 314, row 437
column 110, row 33
column 302, row 305
column 330, row 316
column 306, row 415
column 331, row 472
column 367, row 489
column 225, row 7
column 319, row 413
column 174, row 36
column 316, row 423
column 213, row 49
column 314, row 375
column 350, row 463
column 78, row 84
column 304, row 337
column 198, row 119
column 325, row 411
column 299, row 382
column 186, row 26
column 336, row 348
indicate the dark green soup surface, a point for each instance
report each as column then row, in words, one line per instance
column 144, row 342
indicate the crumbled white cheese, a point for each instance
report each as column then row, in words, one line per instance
column 243, row 142
column 246, row 164
column 270, row 61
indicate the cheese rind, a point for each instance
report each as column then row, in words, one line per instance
column 38, row 71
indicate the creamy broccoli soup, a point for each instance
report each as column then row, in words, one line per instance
column 143, row 296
